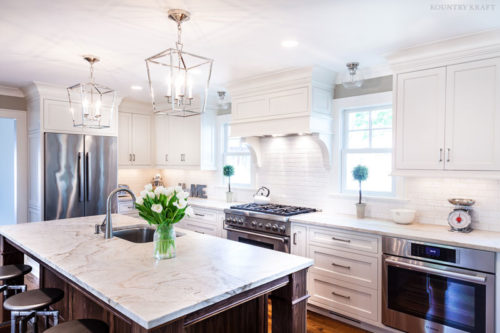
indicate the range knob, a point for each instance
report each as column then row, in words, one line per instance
column 254, row 224
column 260, row 225
column 282, row 229
column 240, row 221
column 275, row 227
column 268, row 226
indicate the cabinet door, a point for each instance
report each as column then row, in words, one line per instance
column 124, row 139
column 161, row 140
column 473, row 116
column 175, row 141
column 420, row 116
column 141, row 139
column 57, row 117
column 191, row 141
column 299, row 245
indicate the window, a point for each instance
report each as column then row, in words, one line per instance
column 368, row 141
column 236, row 153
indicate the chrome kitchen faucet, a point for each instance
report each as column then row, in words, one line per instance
column 107, row 221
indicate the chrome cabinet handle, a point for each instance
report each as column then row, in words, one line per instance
column 200, row 232
column 448, row 158
column 198, row 214
column 294, row 238
column 81, row 178
column 166, row 157
column 340, row 295
column 341, row 240
column 130, row 157
column 341, row 266
column 89, row 176
column 133, row 155
column 440, row 154
column 183, row 157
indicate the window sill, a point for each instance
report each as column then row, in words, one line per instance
column 369, row 198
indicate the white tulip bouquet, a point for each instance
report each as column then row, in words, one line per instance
column 163, row 207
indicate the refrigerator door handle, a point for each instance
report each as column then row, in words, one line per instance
column 89, row 176
column 81, row 180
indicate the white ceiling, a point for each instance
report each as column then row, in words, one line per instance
column 42, row 40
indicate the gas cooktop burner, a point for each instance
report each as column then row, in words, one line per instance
column 274, row 209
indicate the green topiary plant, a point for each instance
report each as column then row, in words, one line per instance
column 228, row 171
column 360, row 173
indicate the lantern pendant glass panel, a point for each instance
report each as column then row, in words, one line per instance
column 91, row 105
column 179, row 80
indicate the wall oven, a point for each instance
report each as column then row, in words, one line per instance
column 436, row 288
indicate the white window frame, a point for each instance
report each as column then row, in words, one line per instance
column 223, row 123
column 344, row 150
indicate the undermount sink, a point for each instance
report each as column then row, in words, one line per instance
column 138, row 233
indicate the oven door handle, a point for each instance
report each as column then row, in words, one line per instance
column 283, row 240
column 461, row 276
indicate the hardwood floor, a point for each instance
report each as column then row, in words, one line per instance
column 317, row 323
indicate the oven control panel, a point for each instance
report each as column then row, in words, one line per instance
column 257, row 224
column 434, row 252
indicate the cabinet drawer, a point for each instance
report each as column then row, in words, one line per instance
column 343, row 297
column 334, row 238
column 199, row 226
column 204, row 215
column 125, row 207
column 345, row 266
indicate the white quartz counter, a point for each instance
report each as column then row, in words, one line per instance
column 211, row 204
column 124, row 275
column 477, row 239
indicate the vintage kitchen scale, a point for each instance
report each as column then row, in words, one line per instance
column 460, row 219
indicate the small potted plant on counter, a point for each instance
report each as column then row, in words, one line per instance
column 228, row 171
column 163, row 207
column 360, row 173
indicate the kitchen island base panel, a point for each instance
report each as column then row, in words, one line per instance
column 246, row 312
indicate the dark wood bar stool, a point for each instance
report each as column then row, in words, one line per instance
column 28, row 305
column 80, row 326
column 9, row 272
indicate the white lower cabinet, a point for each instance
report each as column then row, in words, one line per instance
column 204, row 221
column 346, row 276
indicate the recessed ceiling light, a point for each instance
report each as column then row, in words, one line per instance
column 289, row 43
column 136, row 87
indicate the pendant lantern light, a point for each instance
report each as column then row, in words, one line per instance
column 178, row 80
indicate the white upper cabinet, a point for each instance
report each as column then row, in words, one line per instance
column 134, row 139
column 420, row 116
column 447, row 118
column 186, row 141
column 473, row 116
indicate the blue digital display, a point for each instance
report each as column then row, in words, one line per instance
column 432, row 251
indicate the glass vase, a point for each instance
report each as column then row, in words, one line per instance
column 164, row 242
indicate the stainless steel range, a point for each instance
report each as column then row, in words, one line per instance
column 264, row 225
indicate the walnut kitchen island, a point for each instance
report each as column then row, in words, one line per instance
column 213, row 285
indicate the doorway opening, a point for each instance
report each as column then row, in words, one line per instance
column 8, row 171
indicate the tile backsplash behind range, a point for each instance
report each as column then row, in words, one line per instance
column 292, row 168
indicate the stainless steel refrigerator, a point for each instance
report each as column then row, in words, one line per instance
column 80, row 172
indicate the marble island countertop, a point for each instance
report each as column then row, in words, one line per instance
column 477, row 239
column 125, row 275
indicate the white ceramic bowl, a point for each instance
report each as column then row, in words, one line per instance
column 403, row 216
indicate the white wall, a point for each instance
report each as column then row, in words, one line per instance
column 8, row 171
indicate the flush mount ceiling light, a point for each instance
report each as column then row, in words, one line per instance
column 178, row 80
column 222, row 101
column 289, row 43
column 352, row 78
column 91, row 104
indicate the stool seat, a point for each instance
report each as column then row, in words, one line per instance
column 8, row 272
column 33, row 299
column 80, row 326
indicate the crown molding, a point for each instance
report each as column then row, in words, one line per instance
column 446, row 52
column 11, row 91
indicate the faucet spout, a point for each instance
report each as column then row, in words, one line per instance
column 109, row 225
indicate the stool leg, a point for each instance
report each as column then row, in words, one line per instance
column 56, row 318
column 35, row 324
column 46, row 321
column 13, row 317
